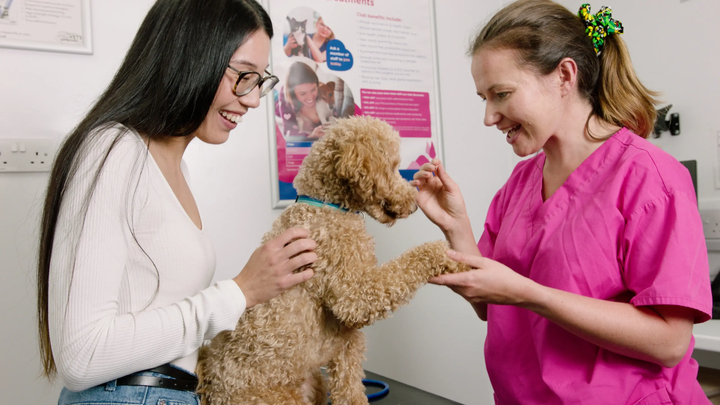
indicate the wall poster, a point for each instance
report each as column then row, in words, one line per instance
column 46, row 25
column 337, row 58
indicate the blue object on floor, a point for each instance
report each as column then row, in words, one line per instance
column 384, row 389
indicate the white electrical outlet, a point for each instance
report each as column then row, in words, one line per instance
column 711, row 223
column 26, row 154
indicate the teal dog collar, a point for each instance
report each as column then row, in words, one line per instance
column 313, row 201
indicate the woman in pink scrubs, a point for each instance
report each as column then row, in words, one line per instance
column 592, row 267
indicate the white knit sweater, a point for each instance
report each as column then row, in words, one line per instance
column 135, row 293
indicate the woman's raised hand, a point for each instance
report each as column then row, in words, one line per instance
column 439, row 197
column 271, row 268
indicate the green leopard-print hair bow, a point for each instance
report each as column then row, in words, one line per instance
column 600, row 25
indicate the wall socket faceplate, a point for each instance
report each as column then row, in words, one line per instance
column 711, row 229
column 711, row 222
column 26, row 154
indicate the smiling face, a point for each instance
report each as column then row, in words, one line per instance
column 228, row 109
column 306, row 93
column 323, row 30
column 518, row 101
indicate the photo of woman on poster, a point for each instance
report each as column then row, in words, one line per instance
column 309, row 101
column 323, row 34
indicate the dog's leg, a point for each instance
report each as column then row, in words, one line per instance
column 346, row 372
column 320, row 392
column 270, row 396
column 378, row 291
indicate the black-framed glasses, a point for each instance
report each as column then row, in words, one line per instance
column 247, row 81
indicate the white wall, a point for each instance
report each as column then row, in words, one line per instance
column 675, row 51
column 435, row 342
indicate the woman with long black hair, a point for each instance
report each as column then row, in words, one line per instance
column 124, row 269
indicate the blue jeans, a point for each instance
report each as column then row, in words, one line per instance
column 112, row 394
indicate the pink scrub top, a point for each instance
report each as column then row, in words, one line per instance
column 623, row 227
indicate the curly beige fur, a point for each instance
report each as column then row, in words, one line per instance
column 275, row 353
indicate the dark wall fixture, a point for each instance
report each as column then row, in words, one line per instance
column 664, row 124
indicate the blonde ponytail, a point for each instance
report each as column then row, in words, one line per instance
column 622, row 99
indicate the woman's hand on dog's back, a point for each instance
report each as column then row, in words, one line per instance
column 270, row 270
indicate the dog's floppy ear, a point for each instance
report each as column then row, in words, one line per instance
column 331, row 85
column 351, row 161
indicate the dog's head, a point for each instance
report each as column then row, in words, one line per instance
column 355, row 165
column 326, row 92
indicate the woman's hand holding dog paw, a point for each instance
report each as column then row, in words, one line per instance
column 442, row 262
column 488, row 282
column 270, row 270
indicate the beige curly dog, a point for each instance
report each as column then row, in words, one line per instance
column 275, row 353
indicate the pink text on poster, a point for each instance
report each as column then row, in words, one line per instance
column 407, row 111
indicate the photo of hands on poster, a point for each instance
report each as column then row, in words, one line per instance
column 338, row 58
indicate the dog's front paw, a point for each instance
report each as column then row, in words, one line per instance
column 440, row 263
column 451, row 266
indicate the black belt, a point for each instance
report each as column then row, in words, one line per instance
column 182, row 381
